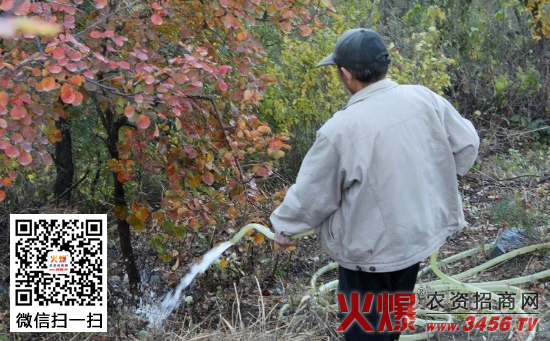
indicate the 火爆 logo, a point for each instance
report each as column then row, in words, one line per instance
column 58, row 262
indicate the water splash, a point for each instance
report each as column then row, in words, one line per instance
column 158, row 313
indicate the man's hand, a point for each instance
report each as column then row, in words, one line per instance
column 284, row 242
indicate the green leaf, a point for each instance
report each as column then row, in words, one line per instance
column 158, row 244
column 500, row 84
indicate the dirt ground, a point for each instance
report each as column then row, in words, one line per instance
column 242, row 300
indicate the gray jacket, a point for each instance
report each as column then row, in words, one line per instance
column 380, row 182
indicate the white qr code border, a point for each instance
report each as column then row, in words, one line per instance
column 26, row 315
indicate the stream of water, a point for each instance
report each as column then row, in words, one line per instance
column 157, row 313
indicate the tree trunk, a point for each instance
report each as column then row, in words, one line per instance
column 124, row 233
column 64, row 163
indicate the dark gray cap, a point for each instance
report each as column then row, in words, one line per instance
column 358, row 48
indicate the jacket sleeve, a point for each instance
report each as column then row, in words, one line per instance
column 462, row 137
column 316, row 193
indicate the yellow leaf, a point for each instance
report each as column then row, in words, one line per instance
column 176, row 265
column 248, row 95
column 259, row 238
column 264, row 129
column 223, row 263
column 242, row 35
column 121, row 212
column 278, row 154
column 159, row 217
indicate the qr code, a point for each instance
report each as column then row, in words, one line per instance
column 58, row 264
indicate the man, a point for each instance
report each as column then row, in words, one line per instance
column 380, row 182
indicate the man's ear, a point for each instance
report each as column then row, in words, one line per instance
column 346, row 74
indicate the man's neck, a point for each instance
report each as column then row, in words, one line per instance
column 355, row 86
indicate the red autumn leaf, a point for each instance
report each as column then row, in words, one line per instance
column 119, row 40
column 222, row 70
column 242, row 35
column 3, row 123
column 71, row 10
column 47, row 159
column 191, row 151
column 6, row 5
column 26, row 146
column 74, row 55
column 305, row 30
column 23, row 9
column 71, row 67
column 222, row 85
column 58, row 53
column 285, row 26
column 149, row 79
column 156, row 19
column 224, row 3
column 143, row 122
column 25, row 158
column 141, row 55
column 208, row 177
column 227, row 20
column 12, row 151
column 275, row 143
column 18, row 112
column 2, row 195
column 76, row 80
column 156, row 133
column 54, row 68
column 67, row 93
column 100, row 57
column 78, row 97
column 129, row 111
column 261, row 171
column 180, row 78
column 16, row 137
column 4, row 98
column 96, row 34
column 99, row 4
column 48, row 84
column 124, row 65
column 124, row 176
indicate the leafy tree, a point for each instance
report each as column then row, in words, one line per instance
column 540, row 17
column 304, row 96
column 171, row 85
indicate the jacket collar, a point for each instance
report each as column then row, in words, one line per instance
column 382, row 85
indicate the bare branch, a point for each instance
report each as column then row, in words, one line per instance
column 102, row 19
column 73, row 186
column 225, row 135
column 111, row 89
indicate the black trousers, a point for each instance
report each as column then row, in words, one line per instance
column 350, row 281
